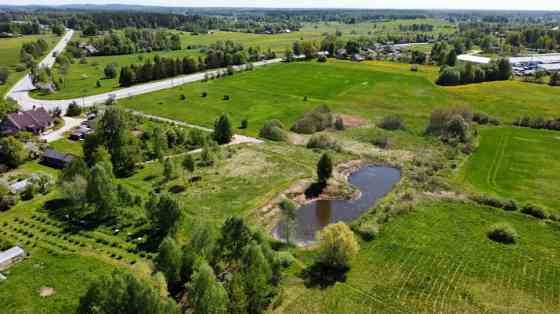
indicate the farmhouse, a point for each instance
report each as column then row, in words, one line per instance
column 55, row 159
column 34, row 120
column 11, row 256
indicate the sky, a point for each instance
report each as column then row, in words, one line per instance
column 375, row 4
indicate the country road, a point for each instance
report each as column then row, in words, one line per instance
column 20, row 91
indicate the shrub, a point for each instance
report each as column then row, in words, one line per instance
column 183, row 97
column 204, row 94
column 110, row 71
column 439, row 118
column 244, row 124
column 322, row 59
column 502, row 233
column 315, row 121
column 273, row 130
column 73, row 110
column 491, row 201
column 535, row 211
column 337, row 245
column 339, row 124
column 323, row 141
column 368, row 231
column 286, row 204
column 392, row 123
column 285, row 258
column 20, row 67
column 381, row 141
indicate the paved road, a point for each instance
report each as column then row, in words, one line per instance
column 20, row 92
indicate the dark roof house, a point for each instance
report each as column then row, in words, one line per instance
column 34, row 120
column 55, row 159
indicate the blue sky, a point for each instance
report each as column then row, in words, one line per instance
column 398, row 4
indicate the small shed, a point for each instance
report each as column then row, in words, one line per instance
column 55, row 159
column 11, row 256
column 19, row 186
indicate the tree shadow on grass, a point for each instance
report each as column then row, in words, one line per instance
column 320, row 275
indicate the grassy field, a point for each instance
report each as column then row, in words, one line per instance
column 68, row 274
column 518, row 163
column 368, row 89
column 427, row 272
column 10, row 56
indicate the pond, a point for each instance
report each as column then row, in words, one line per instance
column 374, row 182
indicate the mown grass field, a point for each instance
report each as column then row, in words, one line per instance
column 369, row 89
column 518, row 163
column 439, row 260
column 10, row 56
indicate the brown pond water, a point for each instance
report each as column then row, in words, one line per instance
column 374, row 182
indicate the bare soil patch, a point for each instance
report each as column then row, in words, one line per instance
column 46, row 291
column 353, row 121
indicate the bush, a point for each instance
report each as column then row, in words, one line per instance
column 337, row 245
column 339, row 124
column 322, row 59
column 244, row 124
column 316, row 121
column 392, row 123
column 20, row 67
column 535, row 211
column 369, row 231
column 502, row 233
column 323, row 141
column 381, row 141
column 273, row 130
column 285, row 258
column 110, row 71
column 491, row 201
column 73, row 110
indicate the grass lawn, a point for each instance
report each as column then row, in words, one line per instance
column 10, row 55
column 67, row 146
column 518, row 163
column 417, row 266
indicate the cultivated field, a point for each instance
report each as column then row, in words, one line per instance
column 523, row 164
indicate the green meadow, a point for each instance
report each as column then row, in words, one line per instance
column 369, row 89
column 518, row 163
column 416, row 265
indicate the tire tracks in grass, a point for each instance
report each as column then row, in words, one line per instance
column 497, row 161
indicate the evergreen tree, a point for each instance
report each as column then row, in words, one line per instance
column 169, row 261
column 207, row 295
column 324, row 168
column 257, row 274
column 101, row 191
column 235, row 236
column 223, row 132
column 169, row 171
column 451, row 58
column 165, row 214
column 237, row 294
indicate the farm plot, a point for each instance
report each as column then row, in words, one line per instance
column 447, row 265
column 523, row 164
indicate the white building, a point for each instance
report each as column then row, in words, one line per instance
column 11, row 256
